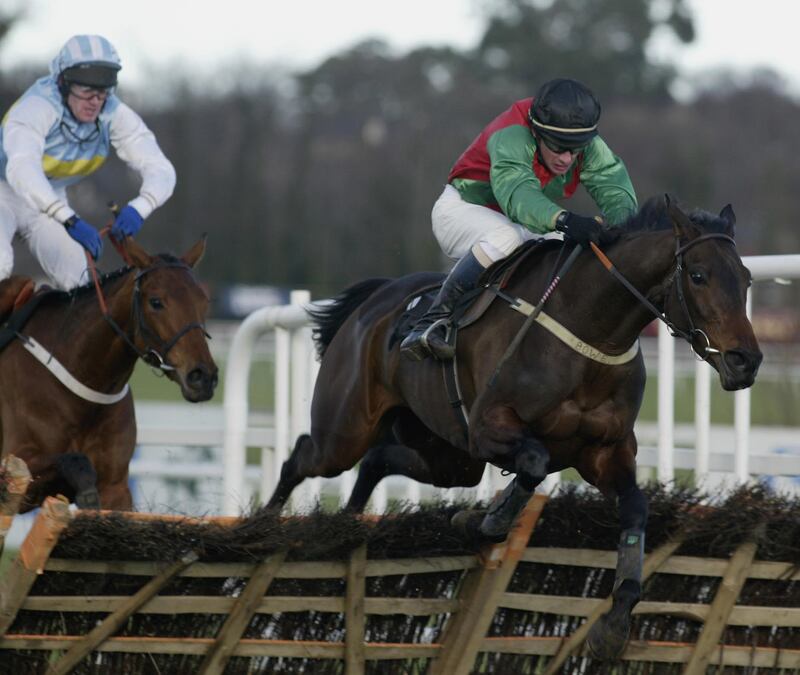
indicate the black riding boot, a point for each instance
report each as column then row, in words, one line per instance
column 429, row 334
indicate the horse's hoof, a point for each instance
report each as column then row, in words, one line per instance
column 494, row 529
column 503, row 511
column 88, row 499
column 468, row 523
column 607, row 638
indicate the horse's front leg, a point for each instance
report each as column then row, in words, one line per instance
column 502, row 438
column 117, row 496
column 79, row 473
column 608, row 636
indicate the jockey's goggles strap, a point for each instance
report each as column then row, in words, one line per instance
column 562, row 130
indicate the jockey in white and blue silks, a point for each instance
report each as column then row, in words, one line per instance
column 57, row 133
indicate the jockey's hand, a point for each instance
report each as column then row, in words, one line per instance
column 582, row 229
column 85, row 235
column 127, row 223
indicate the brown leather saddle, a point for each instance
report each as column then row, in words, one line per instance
column 18, row 302
column 474, row 304
column 14, row 293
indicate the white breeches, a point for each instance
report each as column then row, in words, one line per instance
column 60, row 256
column 460, row 226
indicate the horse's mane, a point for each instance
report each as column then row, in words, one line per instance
column 653, row 217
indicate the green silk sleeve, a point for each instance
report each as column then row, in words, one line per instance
column 516, row 187
column 607, row 181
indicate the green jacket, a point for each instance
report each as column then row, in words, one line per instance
column 503, row 170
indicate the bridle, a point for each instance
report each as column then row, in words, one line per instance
column 155, row 356
column 156, row 350
column 702, row 351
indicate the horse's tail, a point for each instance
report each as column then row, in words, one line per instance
column 329, row 317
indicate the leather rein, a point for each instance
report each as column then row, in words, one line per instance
column 155, row 356
column 702, row 351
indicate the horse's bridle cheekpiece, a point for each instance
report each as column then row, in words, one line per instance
column 701, row 351
column 678, row 281
column 155, row 356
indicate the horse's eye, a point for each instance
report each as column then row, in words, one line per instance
column 156, row 303
column 697, row 278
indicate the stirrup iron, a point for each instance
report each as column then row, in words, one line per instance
column 423, row 339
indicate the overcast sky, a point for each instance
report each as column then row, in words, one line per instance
column 152, row 34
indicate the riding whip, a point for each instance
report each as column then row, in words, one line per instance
column 536, row 311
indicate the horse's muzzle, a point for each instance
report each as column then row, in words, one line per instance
column 200, row 383
column 739, row 368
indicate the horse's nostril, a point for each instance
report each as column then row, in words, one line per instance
column 735, row 359
column 741, row 359
column 196, row 378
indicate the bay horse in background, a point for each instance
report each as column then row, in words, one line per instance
column 551, row 406
column 72, row 444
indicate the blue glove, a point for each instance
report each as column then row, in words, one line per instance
column 85, row 235
column 127, row 224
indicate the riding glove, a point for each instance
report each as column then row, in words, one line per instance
column 582, row 229
column 85, row 235
column 127, row 223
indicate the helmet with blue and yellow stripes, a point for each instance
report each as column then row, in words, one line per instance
column 89, row 60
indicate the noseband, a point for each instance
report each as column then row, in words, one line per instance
column 155, row 352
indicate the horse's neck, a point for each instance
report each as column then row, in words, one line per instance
column 95, row 353
column 646, row 260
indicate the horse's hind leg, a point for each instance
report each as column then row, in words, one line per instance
column 77, row 470
column 439, row 464
column 608, row 636
column 384, row 460
column 293, row 471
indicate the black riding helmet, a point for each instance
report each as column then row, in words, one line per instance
column 565, row 113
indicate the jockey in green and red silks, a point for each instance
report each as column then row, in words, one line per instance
column 504, row 170
column 502, row 191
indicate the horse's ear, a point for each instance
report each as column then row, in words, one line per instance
column 729, row 217
column 136, row 254
column 683, row 226
column 193, row 255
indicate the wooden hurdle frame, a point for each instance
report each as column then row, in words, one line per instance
column 483, row 589
column 17, row 478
